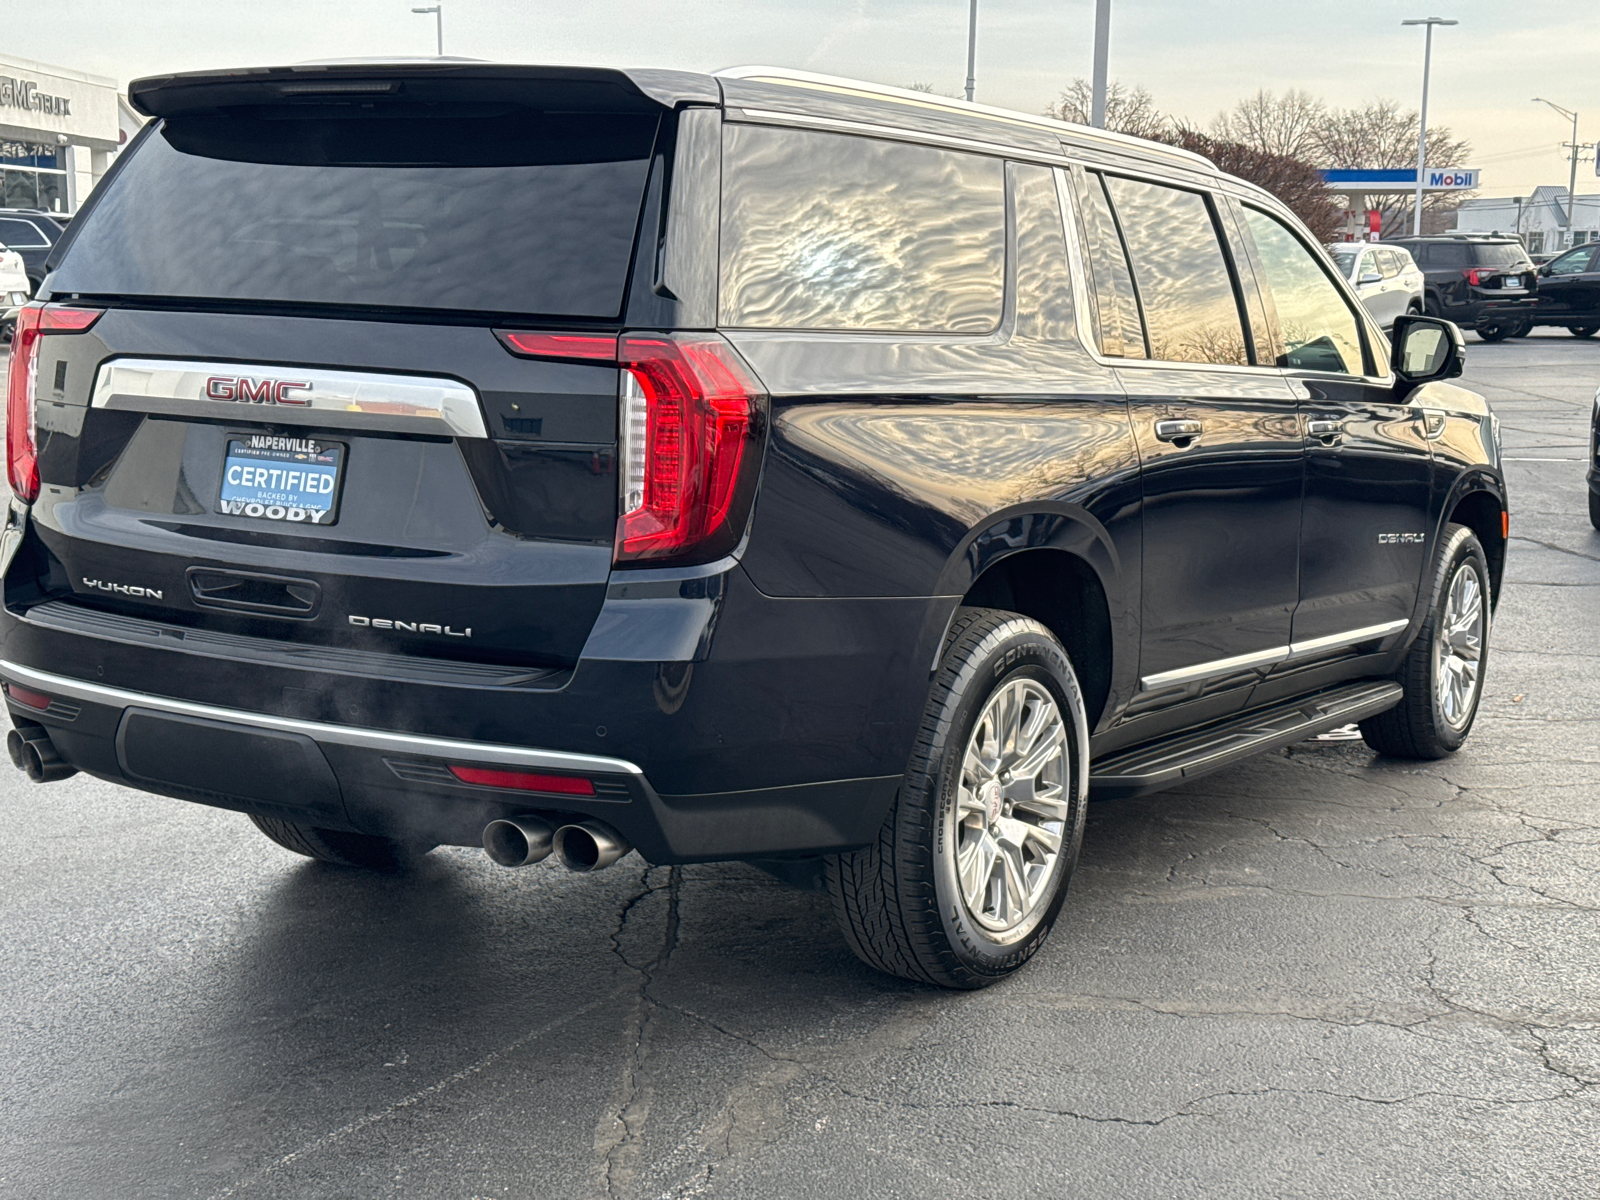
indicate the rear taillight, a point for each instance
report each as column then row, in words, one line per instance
column 691, row 416
column 33, row 322
column 690, row 427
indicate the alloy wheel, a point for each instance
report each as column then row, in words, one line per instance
column 1458, row 648
column 1012, row 809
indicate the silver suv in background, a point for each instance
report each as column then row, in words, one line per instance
column 1386, row 279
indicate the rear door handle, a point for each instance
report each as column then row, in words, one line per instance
column 1325, row 428
column 1178, row 431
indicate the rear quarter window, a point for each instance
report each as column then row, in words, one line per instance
column 831, row 231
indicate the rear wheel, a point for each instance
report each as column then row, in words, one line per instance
column 971, row 866
column 1522, row 330
column 1494, row 331
column 343, row 849
column 1594, row 510
column 1443, row 672
column 1583, row 331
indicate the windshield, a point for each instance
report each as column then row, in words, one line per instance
column 1344, row 257
column 513, row 211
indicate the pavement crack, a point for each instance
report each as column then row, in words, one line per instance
column 619, row 1138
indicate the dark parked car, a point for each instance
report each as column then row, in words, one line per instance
column 727, row 467
column 1593, row 473
column 1482, row 282
column 1569, row 292
column 31, row 234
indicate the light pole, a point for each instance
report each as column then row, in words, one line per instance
column 1102, row 53
column 438, row 11
column 1572, row 176
column 972, row 49
column 1422, row 123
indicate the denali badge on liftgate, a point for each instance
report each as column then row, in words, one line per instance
column 410, row 626
column 280, row 478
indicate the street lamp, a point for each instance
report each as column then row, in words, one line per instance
column 438, row 11
column 972, row 49
column 1102, row 52
column 1422, row 129
column 1572, row 176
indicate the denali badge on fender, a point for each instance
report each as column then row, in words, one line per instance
column 411, row 626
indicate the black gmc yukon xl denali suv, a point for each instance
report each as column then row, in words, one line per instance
column 723, row 467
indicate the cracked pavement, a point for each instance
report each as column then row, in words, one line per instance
column 1316, row 974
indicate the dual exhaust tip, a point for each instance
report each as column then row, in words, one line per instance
column 524, row 840
column 33, row 753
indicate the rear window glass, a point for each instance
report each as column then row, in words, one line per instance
column 1499, row 254
column 513, row 211
column 1447, row 254
column 830, row 231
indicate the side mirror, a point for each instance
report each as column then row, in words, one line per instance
column 1544, row 270
column 1426, row 349
column 1370, row 277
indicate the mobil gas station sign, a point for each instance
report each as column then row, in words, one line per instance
column 1403, row 179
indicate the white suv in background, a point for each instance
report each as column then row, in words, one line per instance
column 1386, row 279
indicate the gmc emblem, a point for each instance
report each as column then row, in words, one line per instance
column 257, row 391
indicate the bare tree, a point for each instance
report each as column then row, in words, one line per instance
column 1128, row 110
column 1286, row 124
column 1296, row 182
column 1384, row 135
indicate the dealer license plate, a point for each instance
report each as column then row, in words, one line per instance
column 275, row 478
column 1512, row 281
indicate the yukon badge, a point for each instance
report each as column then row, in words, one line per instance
column 246, row 390
column 122, row 589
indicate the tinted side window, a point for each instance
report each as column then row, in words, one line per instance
column 20, row 234
column 1319, row 330
column 1573, row 262
column 1190, row 312
column 1121, row 335
column 1044, row 287
column 1446, row 254
column 830, row 231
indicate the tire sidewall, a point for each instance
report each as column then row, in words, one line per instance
column 1466, row 549
column 1021, row 650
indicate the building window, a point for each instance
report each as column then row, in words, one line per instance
column 1535, row 241
column 32, row 176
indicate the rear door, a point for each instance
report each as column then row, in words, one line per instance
column 1366, row 531
column 294, row 419
column 1220, row 448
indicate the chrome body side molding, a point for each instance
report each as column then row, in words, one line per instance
column 1219, row 667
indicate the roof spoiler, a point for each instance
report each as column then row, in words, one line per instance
column 423, row 81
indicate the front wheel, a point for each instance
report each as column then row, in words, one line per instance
column 971, row 866
column 1442, row 675
column 1583, row 331
column 1522, row 330
column 1495, row 331
column 341, row 848
column 1594, row 510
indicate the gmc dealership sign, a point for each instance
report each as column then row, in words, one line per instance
column 25, row 93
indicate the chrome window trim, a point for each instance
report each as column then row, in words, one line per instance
column 1270, row 657
column 383, row 741
column 436, row 404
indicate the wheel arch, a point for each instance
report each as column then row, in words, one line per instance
column 1481, row 509
column 1062, row 569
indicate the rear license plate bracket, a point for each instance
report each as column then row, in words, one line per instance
column 283, row 478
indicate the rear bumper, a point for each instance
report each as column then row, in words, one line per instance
column 785, row 734
column 1481, row 310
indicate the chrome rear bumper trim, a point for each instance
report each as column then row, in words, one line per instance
column 380, row 740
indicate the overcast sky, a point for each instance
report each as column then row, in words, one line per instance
column 1194, row 57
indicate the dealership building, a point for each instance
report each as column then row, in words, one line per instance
column 59, row 130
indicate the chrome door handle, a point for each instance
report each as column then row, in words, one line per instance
column 1327, row 430
column 1179, row 431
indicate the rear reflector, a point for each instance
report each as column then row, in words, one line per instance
column 586, row 347
column 520, row 781
column 22, row 451
column 31, row 699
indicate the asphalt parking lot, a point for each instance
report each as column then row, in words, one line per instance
column 1316, row 974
